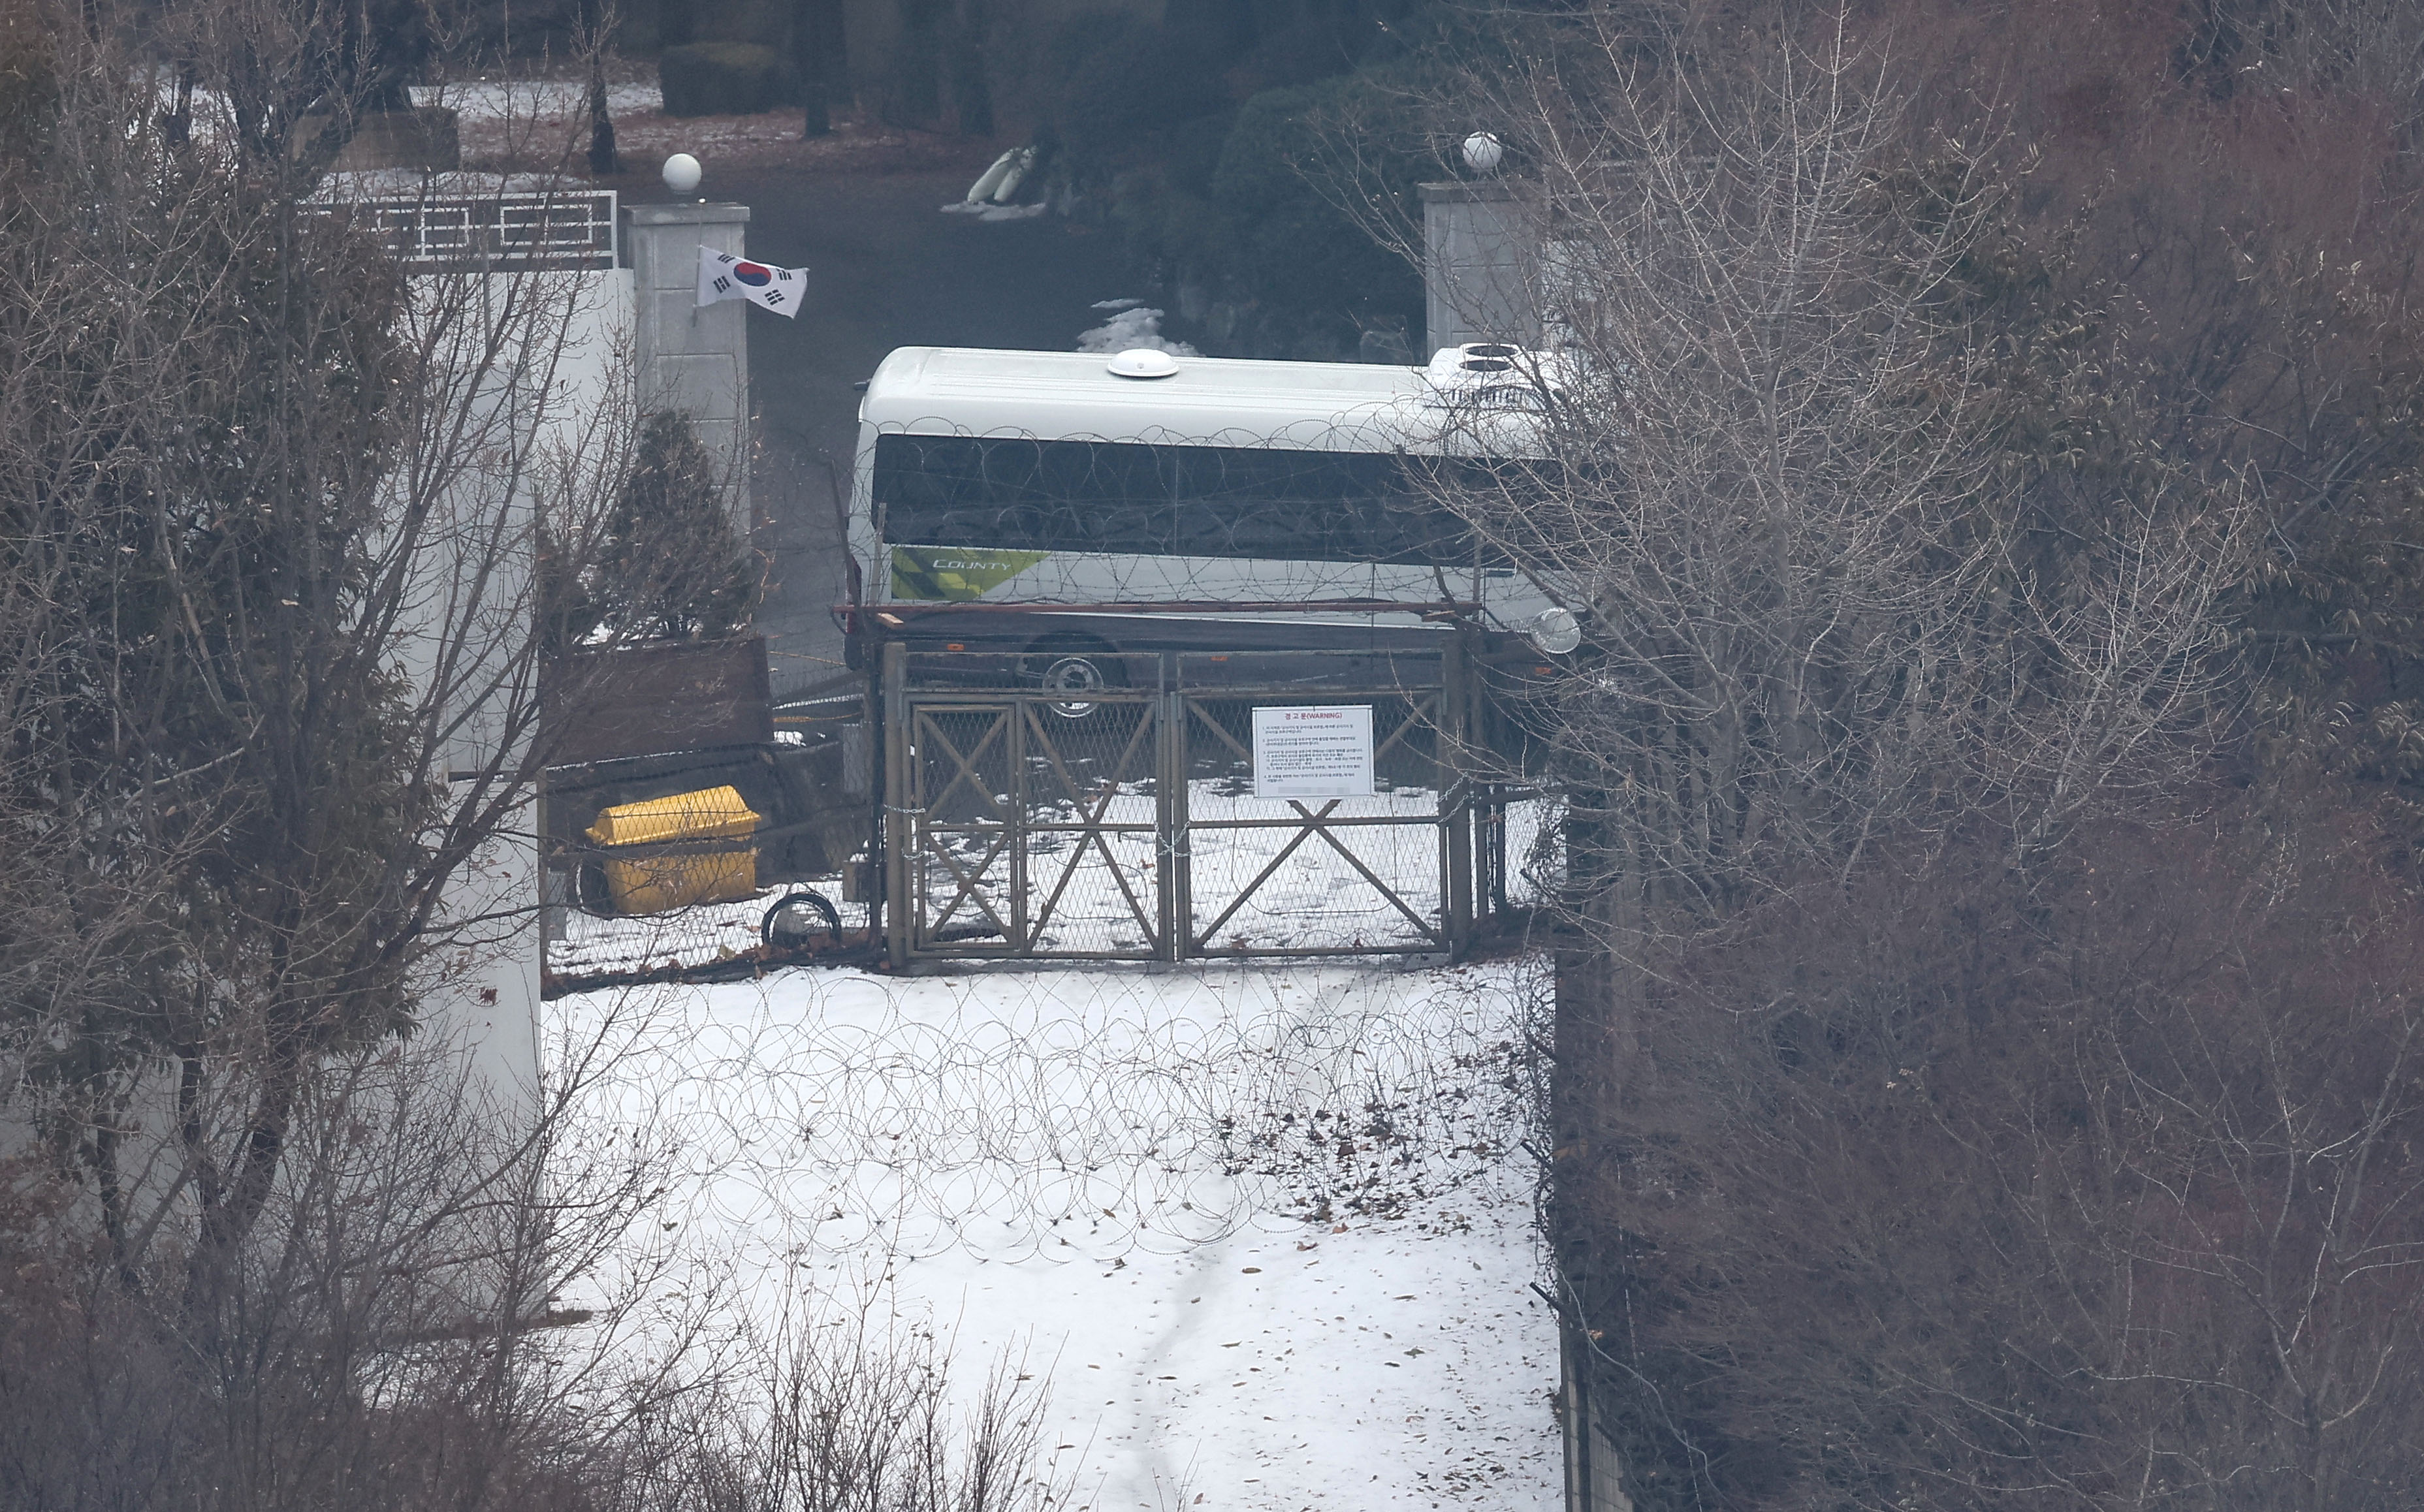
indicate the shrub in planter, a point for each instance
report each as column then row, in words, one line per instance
column 724, row 79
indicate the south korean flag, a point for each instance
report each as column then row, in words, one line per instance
column 721, row 276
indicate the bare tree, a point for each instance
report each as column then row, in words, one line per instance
column 1959, row 1099
column 289, row 530
column 833, row 1415
column 2092, row 1193
column 593, row 39
column 276, row 514
column 1773, row 465
column 396, row 1329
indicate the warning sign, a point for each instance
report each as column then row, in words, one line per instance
column 1322, row 751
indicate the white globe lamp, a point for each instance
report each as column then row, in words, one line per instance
column 682, row 172
column 1483, row 151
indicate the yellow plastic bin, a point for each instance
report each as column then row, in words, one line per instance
column 651, row 884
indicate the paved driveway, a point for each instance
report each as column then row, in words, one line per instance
column 886, row 269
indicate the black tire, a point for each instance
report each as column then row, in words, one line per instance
column 589, row 887
column 779, row 929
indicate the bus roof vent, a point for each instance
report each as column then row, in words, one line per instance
column 1145, row 362
column 1452, row 362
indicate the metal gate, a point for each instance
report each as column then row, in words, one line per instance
column 1118, row 821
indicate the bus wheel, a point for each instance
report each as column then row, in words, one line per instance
column 1074, row 668
column 1074, row 674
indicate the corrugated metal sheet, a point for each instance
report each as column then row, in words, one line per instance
column 606, row 706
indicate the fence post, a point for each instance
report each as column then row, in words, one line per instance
column 1457, row 797
column 1171, row 850
column 898, row 833
column 1020, row 717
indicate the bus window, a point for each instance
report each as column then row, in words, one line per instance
column 1042, row 496
column 1315, row 507
column 1126, row 497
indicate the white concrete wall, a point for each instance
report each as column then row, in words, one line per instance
column 551, row 411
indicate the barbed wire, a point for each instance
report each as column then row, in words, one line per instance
column 1066, row 1114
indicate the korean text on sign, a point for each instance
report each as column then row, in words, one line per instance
column 1319, row 751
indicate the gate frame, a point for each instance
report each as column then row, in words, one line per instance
column 1170, row 712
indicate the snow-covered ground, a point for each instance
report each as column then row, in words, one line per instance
column 543, row 124
column 583, row 944
column 483, row 102
column 1264, row 1231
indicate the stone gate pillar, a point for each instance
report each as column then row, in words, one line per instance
column 1481, row 265
column 693, row 359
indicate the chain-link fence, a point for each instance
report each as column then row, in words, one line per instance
column 1176, row 804
column 1079, row 805
column 810, row 793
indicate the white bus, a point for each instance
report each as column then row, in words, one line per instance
column 1068, row 503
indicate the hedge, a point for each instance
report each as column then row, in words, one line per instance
column 726, row 79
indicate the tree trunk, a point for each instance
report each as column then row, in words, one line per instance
column 603, row 161
column 811, row 60
column 228, row 1220
column 967, row 96
column 597, row 23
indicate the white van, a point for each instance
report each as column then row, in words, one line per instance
column 1068, row 501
